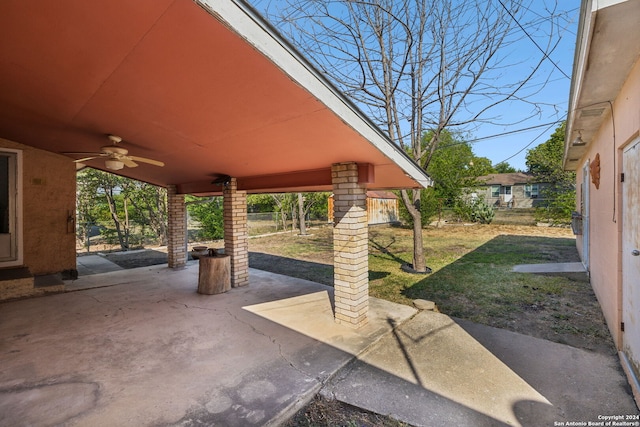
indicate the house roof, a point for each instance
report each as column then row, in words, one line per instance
column 506, row 178
column 606, row 49
column 207, row 87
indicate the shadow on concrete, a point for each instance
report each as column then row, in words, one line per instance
column 136, row 259
column 307, row 270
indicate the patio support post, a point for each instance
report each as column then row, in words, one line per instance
column 176, row 228
column 350, row 246
column 236, row 243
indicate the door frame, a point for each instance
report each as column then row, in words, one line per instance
column 584, row 211
column 17, row 222
column 628, row 336
column 507, row 197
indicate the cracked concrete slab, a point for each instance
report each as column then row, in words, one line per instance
column 142, row 347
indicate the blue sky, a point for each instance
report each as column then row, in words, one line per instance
column 549, row 88
column 554, row 96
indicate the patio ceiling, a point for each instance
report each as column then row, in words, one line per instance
column 207, row 88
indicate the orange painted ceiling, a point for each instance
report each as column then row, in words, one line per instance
column 178, row 86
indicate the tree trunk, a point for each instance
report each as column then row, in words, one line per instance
column 419, row 263
column 301, row 221
column 116, row 221
column 214, row 274
column 413, row 206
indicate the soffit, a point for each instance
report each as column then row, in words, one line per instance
column 606, row 51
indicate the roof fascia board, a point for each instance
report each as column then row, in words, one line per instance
column 249, row 24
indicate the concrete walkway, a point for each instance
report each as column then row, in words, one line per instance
column 434, row 371
column 141, row 348
column 555, row 267
column 95, row 264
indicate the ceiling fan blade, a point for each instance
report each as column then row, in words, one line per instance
column 144, row 160
column 82, row 153
column 84, row 159
column 128, row 162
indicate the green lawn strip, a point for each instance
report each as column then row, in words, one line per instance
column 472, row 277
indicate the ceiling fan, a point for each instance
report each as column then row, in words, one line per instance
column 116, row 157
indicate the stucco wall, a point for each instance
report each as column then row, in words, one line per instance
column 48, row 185
column 605, row 262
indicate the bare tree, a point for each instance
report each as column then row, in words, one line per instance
column 301, row 215
column 421, row 65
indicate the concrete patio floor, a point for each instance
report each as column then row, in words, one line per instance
column 141, row 348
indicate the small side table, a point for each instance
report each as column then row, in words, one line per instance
column 214, row 274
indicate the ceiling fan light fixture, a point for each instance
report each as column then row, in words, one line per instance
column 114, row 165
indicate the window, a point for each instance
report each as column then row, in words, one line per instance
column 495, row 191
column 531, row 190
column 10, row 248
column 5, row 190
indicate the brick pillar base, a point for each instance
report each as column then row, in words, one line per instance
column 176, row 229
column 236, row 242
column 350, row 246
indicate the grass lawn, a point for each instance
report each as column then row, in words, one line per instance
column 471, row 276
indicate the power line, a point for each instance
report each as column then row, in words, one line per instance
column 531, row 38
column 471, row 141
column 513, row 131
column 529, row 144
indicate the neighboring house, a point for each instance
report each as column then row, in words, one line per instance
column 382, row 208
column 602, row 145
column 510, row 190
column 206, row 88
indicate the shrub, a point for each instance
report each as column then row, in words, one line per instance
column 481, row 212
column 474, row 210
column 209, row 214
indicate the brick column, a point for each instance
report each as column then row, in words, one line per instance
column 350, row 246
column 176, row 228
column 236, row 243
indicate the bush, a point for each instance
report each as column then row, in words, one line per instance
column 474, row 211
column 559, row 208
column 209, row 214
column 482, row 212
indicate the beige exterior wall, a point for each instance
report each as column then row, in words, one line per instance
column 519, row 198
column 605, row 243
column 49, row 198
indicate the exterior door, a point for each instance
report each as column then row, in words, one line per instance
column 8, row 220
column 631, row 255
column 508, row 196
